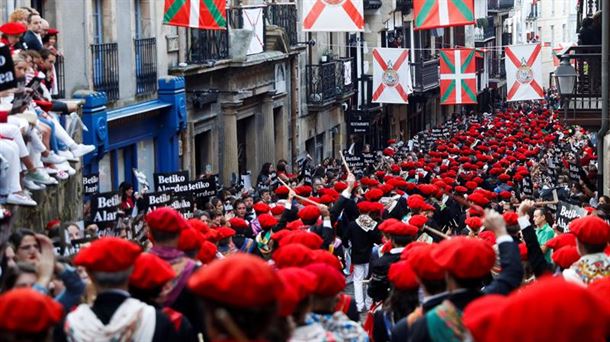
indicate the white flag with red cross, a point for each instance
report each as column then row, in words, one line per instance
column 523, row 72
column 391, row 76
column 333, row 15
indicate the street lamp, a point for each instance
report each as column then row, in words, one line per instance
column 565, row 77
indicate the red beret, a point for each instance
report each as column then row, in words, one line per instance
column 414, row 202
column 150, row 272
column 561, row 240
column 387, row 223
column 474, row 223
column 478, row 199
column 488, row 237
column 225, row 232
column 26, row 311
column 295, row 225
column 373, row 195
column 464, row 257
column 52, row 224
column 199, row 225
column 402, row 229
column 376, row 207
column 278, row 210
column 420, row 259
column 303, row 190
column 460, row 189
column 511, row 218
column 305, row 238
column 52, row 31
column 326, row 257
column 207, row 252
column 212, row 235
column 340, row 186
column 330, row 280
column 364, row 207
column 292, row 255
column 298, row 285
column 108, row 254
column 13, row 29
column 572, row 313
column 309, row 213
column 506, row 195
column 427, row 189
column 282, row 191
column 267, row 221
column 410, row 247
column 418, row 221
column 223, row 281
column 327, row 199
column 565, row 256
column 402, row 276
column 189, row 240
column 166, row 220
column 238, row 223
column 591, row 230
column 261, row 208
column 470, row 185
column 504, row 178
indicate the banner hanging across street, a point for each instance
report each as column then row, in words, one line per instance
column 524, row 72
column 458, row 76
column 391, row 76
column 431, row 14
column 201, row 14
column 333, row 15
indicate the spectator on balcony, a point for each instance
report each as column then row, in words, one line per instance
column 33, row 37
column 11, row 35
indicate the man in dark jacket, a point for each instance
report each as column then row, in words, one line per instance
column 32, row 37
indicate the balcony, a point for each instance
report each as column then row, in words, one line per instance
column 105, row 58
column 329, row 82
column 60, row 76
column 586, row 9
column 534, row 12
column 208, row 46
column 485, row 29
column 497, row 71
column 405, row 6
column 286, row 17
column 372, row 4
column 425, row 75
column 587, row 99
column 500, row 5
column 146, row 65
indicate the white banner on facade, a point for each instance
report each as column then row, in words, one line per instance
column 524, row 72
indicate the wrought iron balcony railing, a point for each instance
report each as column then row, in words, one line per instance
column 146, row 65
column 286, row 17
column 587, row 61
column 208, row 46
column 105, row 58
column 405, row 6
column 425, row 75
column 330, row 81
column 372, row 4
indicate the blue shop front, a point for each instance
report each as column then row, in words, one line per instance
column 144, row 136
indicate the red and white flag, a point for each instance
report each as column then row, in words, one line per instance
column 524, row 72
column 333, row 15
column 391, row 76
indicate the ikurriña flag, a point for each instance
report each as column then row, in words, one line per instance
column 458, row 76
column 431, row 14
column 201, row 14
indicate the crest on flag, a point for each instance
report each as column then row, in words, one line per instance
column 458, row 76
column 431, row 14
column 391, row 76
column 201, row 14
column 523, row 72
column 333, row 15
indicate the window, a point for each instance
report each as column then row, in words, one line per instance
column 98, row 22
column 564, row 33
column 552, row 8
column 138, row 18
column 552, row 35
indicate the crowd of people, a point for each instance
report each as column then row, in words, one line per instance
column 446, row 237
column 35, row 149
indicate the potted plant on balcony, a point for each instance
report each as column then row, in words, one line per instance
column 326, row 56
